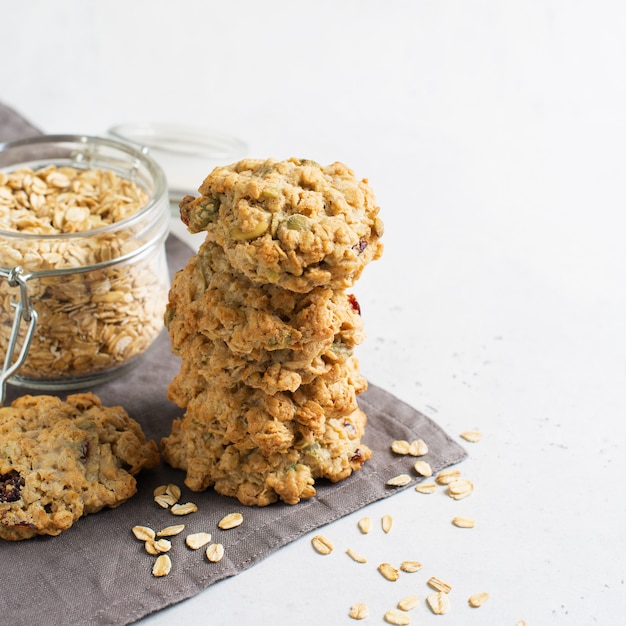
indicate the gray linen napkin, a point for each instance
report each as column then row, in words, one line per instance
column 98, row 573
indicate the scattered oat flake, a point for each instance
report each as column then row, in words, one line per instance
column 184, row 509
column 401, row 446
column 473, row 436
column 164, row 501
column 170, row 531
column 439, row 585
column 162, row 566
column 438, row 602
column 463, row 522
column 423, row 468
column 418, row 448
column 389, row 571
column 322, row 544
column 163, row 545
column 355, row 556
column 399, row 618
column 160, row 490
column 399, row 481
column 232, row 520
column 196, row 541
column 365, row 525
column 426, row 488
column 461, row 488
column 173, row 491
column 478, row 599
column 143, row 533
column 447, row 476
column 408, row 602
column 386, row 523
column 410, row 566
column 157, row 547
column 521, row 623
column 359, row 610
column 215, row 552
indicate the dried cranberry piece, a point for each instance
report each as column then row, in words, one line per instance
column 354, row 303
column 357, row 457
column 10, row 486
column 360, row 247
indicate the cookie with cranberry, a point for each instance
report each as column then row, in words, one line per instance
column 292, row 223
column 273, row 450
column 60, row 460
column 208, row 297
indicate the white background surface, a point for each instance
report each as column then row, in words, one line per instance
column 494, row 135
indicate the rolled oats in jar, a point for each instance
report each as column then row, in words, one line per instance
column 83, row 273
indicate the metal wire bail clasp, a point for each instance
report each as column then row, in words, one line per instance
column 23, row 311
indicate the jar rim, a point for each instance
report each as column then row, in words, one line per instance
column 154, row 169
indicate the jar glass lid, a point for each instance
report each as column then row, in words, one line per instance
column 187, row 154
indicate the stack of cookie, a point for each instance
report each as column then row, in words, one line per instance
column 265, row 329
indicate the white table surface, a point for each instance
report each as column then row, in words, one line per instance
column 494, row 135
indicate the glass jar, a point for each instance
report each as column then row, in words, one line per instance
column 83, row 272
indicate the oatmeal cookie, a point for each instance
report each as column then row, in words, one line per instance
column 290, row 223
column 271, row 371
column 62, row 460
column 208, row 297
column 258, row 458
column 271, row 420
